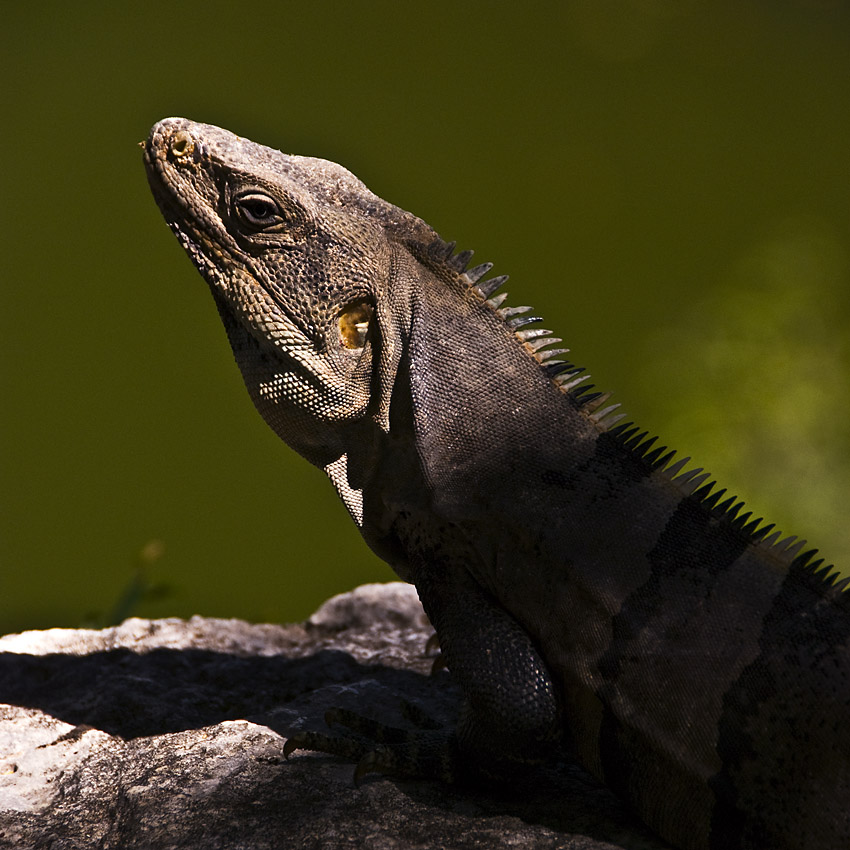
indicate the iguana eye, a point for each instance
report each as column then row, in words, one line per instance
column 354, row 324
column 257, row 210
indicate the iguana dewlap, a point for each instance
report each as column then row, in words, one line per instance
column 585, row 588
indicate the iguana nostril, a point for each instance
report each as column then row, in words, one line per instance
column 182, row 144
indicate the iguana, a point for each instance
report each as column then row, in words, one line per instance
column 586, row 589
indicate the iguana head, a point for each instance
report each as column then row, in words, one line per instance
column 301, row 259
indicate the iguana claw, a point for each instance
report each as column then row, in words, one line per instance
column 424, row 752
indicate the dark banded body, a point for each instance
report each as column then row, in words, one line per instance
column 585, row 586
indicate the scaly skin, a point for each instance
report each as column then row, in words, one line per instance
column 585, row 589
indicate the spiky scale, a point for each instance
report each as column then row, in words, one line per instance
column 711, row 501
column 703, row 491
column 685, row 477
column 538, row 344
column 645, row 445
column 496, row 300
column 522, row 321
column 786, row 543
column 624, row 431
column 461, row 260
column 732, row 513
column 762, row 533
column 752, row 527
column 440, row 250
column 795, row 551
column 653, row 456
column 611, row 422
column 488, row 287
column 599, row 415
column 772, row 541
column 532, row 333
column 663, row 461
column 567, row 382
column 803, row 559
column 727, row 503
column 584, row 397
column 509, row 312
column 600, row 399
column 677, row 467
column 691, row 486
column 635, row 441
column 475, row 274
column 555, row 368
column 583, row 393
column 552, row 353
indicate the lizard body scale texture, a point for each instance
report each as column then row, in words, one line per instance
column 587, row 590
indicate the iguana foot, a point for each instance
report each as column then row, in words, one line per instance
column 425, row 752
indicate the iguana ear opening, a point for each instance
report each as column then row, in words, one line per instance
column 354, row 324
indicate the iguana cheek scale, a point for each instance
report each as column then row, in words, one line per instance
column 587, row 589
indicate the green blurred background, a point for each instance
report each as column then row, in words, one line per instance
column 667, row 182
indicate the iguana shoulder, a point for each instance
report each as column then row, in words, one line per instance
column 586, row 587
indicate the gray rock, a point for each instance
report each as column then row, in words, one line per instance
column 169, row 734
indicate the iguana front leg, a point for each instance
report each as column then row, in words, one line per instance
column 510, row 715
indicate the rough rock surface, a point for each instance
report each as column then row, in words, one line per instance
column 169, row 734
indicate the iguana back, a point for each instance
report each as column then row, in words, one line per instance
column 586, row 590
